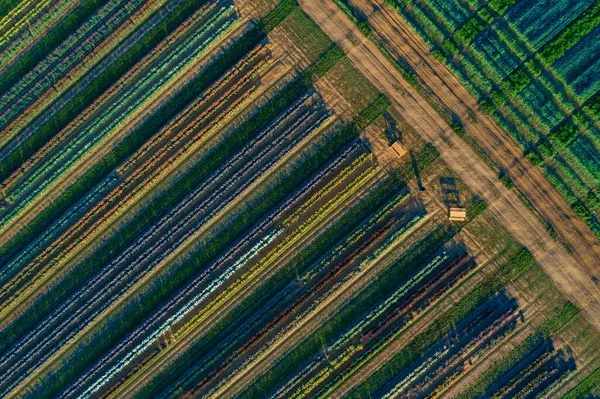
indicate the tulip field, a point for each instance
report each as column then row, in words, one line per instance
column 198, row 200
column 534, row 68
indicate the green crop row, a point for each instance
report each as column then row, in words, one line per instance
column 277, row 15
column 134, row 140
column 47, row 43
column 372, row 112
column 98, row 86
column 501, row 6
column 466, row 33
column 512, row 269
column 154, row 211
column 320, row 67
column 593, row 106
column 572, row 34
column 516, row 81
column 351, row 220
column 537, row 149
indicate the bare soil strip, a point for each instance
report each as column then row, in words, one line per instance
column 569, row 272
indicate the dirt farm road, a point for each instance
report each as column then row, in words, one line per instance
column 571, row 273
column 447, row 90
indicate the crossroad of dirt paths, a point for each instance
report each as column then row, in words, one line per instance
column 571, row 273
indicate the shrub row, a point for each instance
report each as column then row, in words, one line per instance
column 572, row 34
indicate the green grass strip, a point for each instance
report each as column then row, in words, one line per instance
column 585, row 387
column 281, row 12
column 373, row 111
column 331, row 57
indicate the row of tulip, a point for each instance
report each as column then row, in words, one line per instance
column 274, row 254
column 334, row 280
column 348, row 352
column 72, row 109
column 200, row 117
column 71, row 217
column 395, row 297
column 30, row 27
column 129, row 268
column 21, row 205
column 67, row 54
column 322, row 375
column 438, row 283
column 270, row 220
column 76, row 238
column 380, row 217
column 366, row 225
column 446, row 374
column 51, row 234
column 122, row 192
column 19, row 17
column 143, row 329
column 63, row 87
column 328, row 188
column 87, row 140
column 458, row 346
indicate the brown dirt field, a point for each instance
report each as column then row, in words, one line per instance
column 349, row 92
column 254, row 9
column 571, row 273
